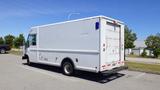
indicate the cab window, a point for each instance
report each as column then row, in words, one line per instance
column 32, row 40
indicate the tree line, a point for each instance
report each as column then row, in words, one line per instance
column 13, row 41
column 152, row 41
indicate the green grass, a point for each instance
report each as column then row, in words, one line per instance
column 132, row 55
column 149, row 68
column 15, row 52
column 136, row 56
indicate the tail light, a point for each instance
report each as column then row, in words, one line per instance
column 108, row 64
column 103, row 66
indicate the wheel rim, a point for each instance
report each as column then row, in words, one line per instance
column 68, row 68
column 2, row 51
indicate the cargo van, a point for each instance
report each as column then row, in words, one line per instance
column 94, row 44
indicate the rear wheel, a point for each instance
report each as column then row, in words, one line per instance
column 68, row 68
column 2, row 51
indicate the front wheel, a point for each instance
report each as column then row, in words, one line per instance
column 28, row 62
column 68, row 68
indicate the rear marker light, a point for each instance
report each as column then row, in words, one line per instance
column 97, row 25
column 119, row 62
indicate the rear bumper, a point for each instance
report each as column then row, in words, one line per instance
column 114, row 70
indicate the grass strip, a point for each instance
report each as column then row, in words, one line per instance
column 15, row 52
column 148, row 68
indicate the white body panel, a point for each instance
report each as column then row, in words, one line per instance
column 112, row 40
column 80, row 40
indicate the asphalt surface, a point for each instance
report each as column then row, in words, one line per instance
column 16, row 75
column 143, row 60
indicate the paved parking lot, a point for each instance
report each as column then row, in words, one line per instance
column 16, row 75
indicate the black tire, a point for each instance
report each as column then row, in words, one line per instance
column 3, row 51
column 68, row 68
column 28, row 62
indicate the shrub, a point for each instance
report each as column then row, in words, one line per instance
column 156, row 52
column 144, row 53
column 132, row 53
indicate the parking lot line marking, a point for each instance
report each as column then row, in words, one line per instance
column 140, row 75
column 64, row 78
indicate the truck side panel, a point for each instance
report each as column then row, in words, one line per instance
column 77, row 40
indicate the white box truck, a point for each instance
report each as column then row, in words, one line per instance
column 94, row 44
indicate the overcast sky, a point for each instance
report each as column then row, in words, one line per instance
column 17, row 16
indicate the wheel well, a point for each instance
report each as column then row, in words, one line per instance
column 67, row 60
column 26, row 56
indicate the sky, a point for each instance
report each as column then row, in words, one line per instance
column 18, row 16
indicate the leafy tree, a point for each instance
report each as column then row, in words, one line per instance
column 144, row 53
column 9, row 40
column 1, row 41
column 130, row 37
column 19, row 41
column 156, row 52
column 153, row 43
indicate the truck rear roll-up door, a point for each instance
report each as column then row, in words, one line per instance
column 113, row 43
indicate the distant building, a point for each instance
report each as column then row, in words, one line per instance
column 128, row 51
column 138, row 50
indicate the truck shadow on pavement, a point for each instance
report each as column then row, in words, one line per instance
column 80, row 74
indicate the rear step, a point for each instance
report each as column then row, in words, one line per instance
column 115, row 70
